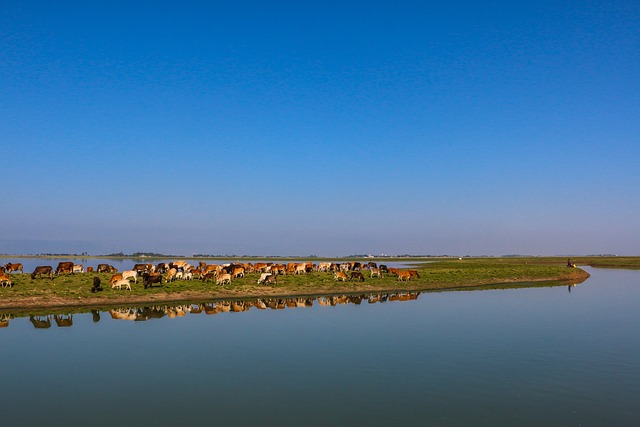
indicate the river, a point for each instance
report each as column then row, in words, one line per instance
column 531, row 356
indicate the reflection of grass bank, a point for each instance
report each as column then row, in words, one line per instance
column 74, row 290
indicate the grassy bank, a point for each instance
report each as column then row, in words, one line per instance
column 74, row 289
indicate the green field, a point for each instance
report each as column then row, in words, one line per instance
column 436, row 274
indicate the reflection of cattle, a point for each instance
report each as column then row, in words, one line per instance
column 356, row 275
column 123, row 313
column 148, row 280
column 9, row 267
column 64, row 267
column 5, row 280
column 4, row 320
column 96, row 285
column 40, row 322
column 63, row 320
column 147, row 313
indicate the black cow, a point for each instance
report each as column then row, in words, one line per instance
column 96, row 285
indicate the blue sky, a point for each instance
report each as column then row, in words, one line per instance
column 326, row 128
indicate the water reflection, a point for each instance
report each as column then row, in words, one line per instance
column 143, row 313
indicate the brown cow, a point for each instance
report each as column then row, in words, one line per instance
column 5, row 280
column 42, row 269
column 339, row 275
column 106, row 268
column 9, row 267
column 64, row 267
column 403, row 275
column 270, row 279
column 356, row 275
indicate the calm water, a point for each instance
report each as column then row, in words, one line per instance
column 535, row 356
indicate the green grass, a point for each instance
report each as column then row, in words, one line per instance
column 74, row 289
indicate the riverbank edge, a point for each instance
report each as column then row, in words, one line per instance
column 25, row 304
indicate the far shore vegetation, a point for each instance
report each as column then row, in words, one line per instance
column 436, row 274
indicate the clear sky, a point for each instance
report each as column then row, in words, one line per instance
column 320, row 127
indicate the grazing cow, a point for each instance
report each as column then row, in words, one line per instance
column 115, row 278
column 120, row 283
column 64, row 267
column 262, row 277
column 237, row 272
column 270, row 279
column 149, row 279
column 223, row 279
column 393, row 271
column 404, row 276
column 178, row 265
column 324, row 266
column 414, row 273
column 9, row 267
column 142, row 268
column 260, row 267
column 339, row 275
column 130, row 274
column 96, row 285
column 301, row 269
column 106, row 268
column 374, row 271
column 78, row 268
column 383, row 268
column 42, row 269
column 5, row 280
column 89, row 269
column 356, row 275
column 171, row 275
column 161, row 268
column 208, row 276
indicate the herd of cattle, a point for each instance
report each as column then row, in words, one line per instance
column 220, row 274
